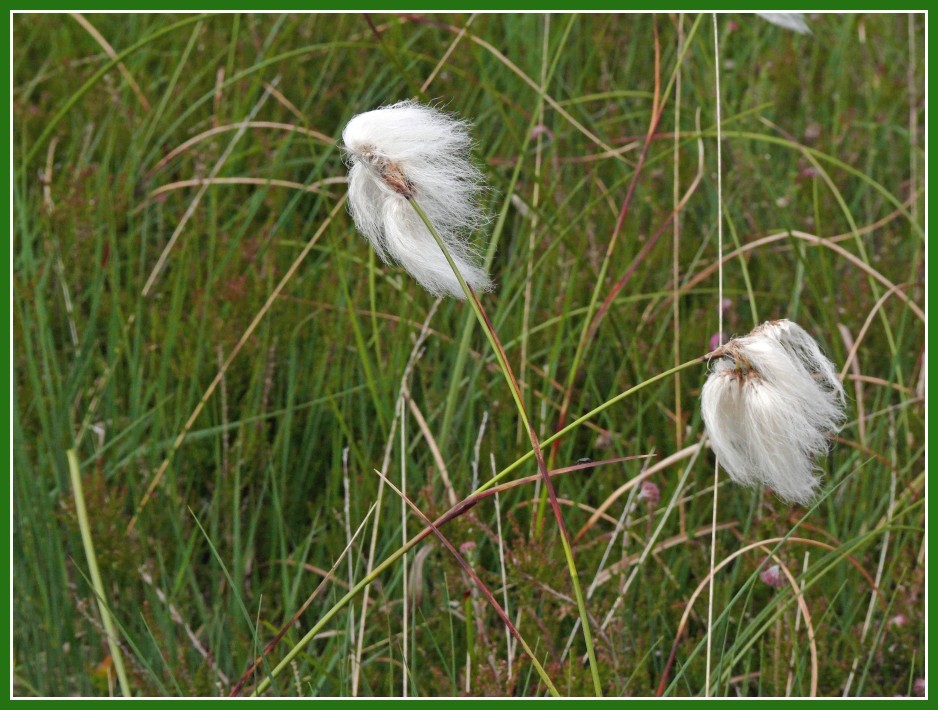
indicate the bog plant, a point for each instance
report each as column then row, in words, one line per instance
column 409, row 151
column 770, row 405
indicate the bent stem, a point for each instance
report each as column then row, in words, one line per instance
column 492, row 337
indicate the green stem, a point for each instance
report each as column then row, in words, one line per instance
column 589, row 326
column 586, row 417
column 82, row 513
column 490, row 334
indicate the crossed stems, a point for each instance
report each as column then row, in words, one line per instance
column 485, row 490
column 492, row 337
column 482, row 492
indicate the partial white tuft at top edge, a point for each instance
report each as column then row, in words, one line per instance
column 793, row 21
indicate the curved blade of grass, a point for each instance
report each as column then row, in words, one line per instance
column 82, row 513
column 95, row 78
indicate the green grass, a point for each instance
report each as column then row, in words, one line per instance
column 250, row 513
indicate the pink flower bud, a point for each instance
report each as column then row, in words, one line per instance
column 651, row 493
column 542, row 130
column 773, row 577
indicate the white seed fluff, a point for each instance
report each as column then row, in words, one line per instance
column 769, row 405
column 793, row 21
column 405, row 151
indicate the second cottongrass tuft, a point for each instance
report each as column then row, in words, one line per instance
column 770, row 404
column 405, row 152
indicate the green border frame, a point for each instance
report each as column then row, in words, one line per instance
column 385, row 6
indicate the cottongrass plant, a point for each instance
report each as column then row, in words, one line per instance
column 414, row 194
column 770, row 404
column 410, row 151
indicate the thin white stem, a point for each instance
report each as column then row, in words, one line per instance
column 402, row 392
column 476, row 452
column 716, row 467
column 676, row 241
column 501, row 560
column 404, row 605
column 348, row 536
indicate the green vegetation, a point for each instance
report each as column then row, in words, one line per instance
column 227, row 357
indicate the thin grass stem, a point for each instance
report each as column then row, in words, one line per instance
column 716, row 465
column 82, row 513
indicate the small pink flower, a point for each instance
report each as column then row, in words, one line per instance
column 918, row 687
column 467, row 548
column 542, row 130
column 651, row 493
column 899, row 620
column 717, row 339
column 604, row 440
column 773, row 577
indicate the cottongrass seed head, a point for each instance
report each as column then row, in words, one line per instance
column 769, row 405
column 406, row 151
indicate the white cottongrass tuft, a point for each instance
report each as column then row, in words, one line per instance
column 793, row 21
column 411, row 151
column 770, row 403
